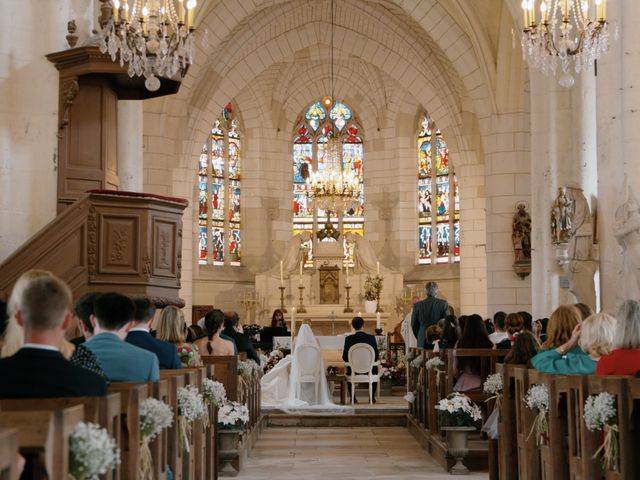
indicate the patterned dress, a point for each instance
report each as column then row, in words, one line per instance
column 189, row 355
column 83, row 357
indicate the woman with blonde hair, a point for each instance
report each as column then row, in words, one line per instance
column 560, row 327
column 590, row 340
column 172, row 328
column 625, row 358
column 78, row 355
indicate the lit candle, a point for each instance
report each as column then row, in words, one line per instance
column 281, row 274
column 191, row 7
column 604, row 8
column 293, row 321
column 378, row 320
column 181, row 8
column 359, row 314
column 347, row 274
column 126, row 12
column 378, row 268
column 116, row 8
column 145, row 19
column 524, row 13
column 300, row 272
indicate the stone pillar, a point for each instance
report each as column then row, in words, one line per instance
column 130, row 155
column 618, row 117
column 562, row 153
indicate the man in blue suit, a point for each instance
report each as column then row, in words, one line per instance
column 121, row 361
column 427, row 312
column 139, row 336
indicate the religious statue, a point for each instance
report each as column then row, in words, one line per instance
column 521, row 239
column 365, row 258
column 627, row 233
column 582, row 258
column 294, row 253
column 561, row 217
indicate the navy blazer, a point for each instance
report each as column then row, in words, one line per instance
column 427, row 312
column 166, row 352
column 360, row 337
column 243, row 344
column 123, row 362
column 39, row 373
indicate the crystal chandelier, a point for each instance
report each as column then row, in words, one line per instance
column 333, row 188
column 153, row 37
column 570, row 34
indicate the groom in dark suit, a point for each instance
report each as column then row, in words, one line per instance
column 38, row 369
column 427, row 312
column 360, row 337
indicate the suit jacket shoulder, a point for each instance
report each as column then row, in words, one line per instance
column 166, row 352
column 122, row 361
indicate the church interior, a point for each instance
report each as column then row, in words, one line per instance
column 452, row 179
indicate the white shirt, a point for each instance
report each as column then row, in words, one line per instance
column 139, row 329
column 41, row 346
column 497, row 337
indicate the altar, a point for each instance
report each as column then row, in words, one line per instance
column 325, row 321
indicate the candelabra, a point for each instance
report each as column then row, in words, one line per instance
column 282, row 309
column 301, row 308
column 249, row 301
column 348, row 308
column 403, row 303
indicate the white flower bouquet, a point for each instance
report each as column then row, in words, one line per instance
column 457, row 410
column 493, row 387
column 247, row 368
column 190, row 408
column 434, row 363
column 155, row 416
column 214, row 392
column 92, row 452
column 493, row 384
column 417, row 362
column 600, row 414
column 409, row 357
column 537, row 398
column 233, row 416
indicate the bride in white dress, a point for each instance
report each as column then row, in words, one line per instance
column 298, row 381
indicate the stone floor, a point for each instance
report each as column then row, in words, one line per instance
column 341, row 453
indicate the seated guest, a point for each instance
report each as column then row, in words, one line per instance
column 450, row 334
column 584, row 309
column 360, row 336
column 121, row 361
column 434, row 332
column 173, row 329
column 561, row 324
column 625, row 358
column 474, row 336
column 500, row 333
column 195, row 332
column 513, row 324
column 38, row 369
column 201, row 343
column 589, row 341
column 488, row 324
column 214, row 321
column 541, row 328
column 527, row 320
column 83, row 311
column 232, row 329
column 277, row 319
column 139, row 336
column 524, row 348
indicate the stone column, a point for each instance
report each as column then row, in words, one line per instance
column 130, row 154
column 618, row 117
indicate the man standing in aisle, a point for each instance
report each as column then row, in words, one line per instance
column 428, row 312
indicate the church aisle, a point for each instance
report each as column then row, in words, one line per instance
column 344, row 453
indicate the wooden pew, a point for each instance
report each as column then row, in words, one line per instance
column 132, row 394
column 8, row 453
column 488, row 359
column 103, row 411
column 412, row 383
column 507, row 438
column 196, row 466
column 44, row 434
column 211, row 441
column 226, row 372
column 528, row 451
column 160, row 445
column 175, row 442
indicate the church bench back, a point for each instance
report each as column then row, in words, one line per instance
column 226, row 372
column 132, row 394
column 488, row 359
column 211, row 443
column 507, row 438
column 528, row 451
column 175, row 442
column 45, row 435
column 160, row 445
column 193, row 463
column 8, row 453
column 104, row 411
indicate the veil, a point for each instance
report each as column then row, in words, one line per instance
column 283, row 388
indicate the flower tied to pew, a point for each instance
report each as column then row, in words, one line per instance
column 247, row 369
column 493, row 386
column 190, row 408
column 233, row 416
column 155, row 416
column 92, row 452
column 600, row 414
column 458, row 410
column 213, row 393
column 537, row 398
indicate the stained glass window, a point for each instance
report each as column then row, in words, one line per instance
column 438, row 224
column 219, row 193
column 314, row 128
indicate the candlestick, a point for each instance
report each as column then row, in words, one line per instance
column 348, row 308
column 377, row 268
column 301, row 308
column 378, row 320
column 284, row 310
column 347, row 274
column 293, row 321
column 281, row 274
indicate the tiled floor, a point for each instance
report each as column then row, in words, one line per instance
column 341, row 453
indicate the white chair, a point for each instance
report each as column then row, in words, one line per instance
column 308, row 360
column 362, row 359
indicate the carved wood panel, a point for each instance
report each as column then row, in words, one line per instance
column 165, row 238
column 119, row 244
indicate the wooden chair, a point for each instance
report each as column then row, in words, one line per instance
column 103, row 411
column 528, row 451
column 8, row 453
column 132, row 394
column 226, row 372
column 43, row 436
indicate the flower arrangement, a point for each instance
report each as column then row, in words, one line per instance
column 190, row 408
column 189, row 356
column 600, row 414
column 155, row 416
column 92, row 452
column 213, row 392
column 434, row 363
column 233, row 416
column 457, row 410
column 537, row 398
column 417, row 362
column 390, row 366
column 410, row 356
column 274, row 357
column 246, row 369
column 372, row 287
column 493, row 384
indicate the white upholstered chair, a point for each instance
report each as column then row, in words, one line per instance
column 362, row 359
column 308, row 360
